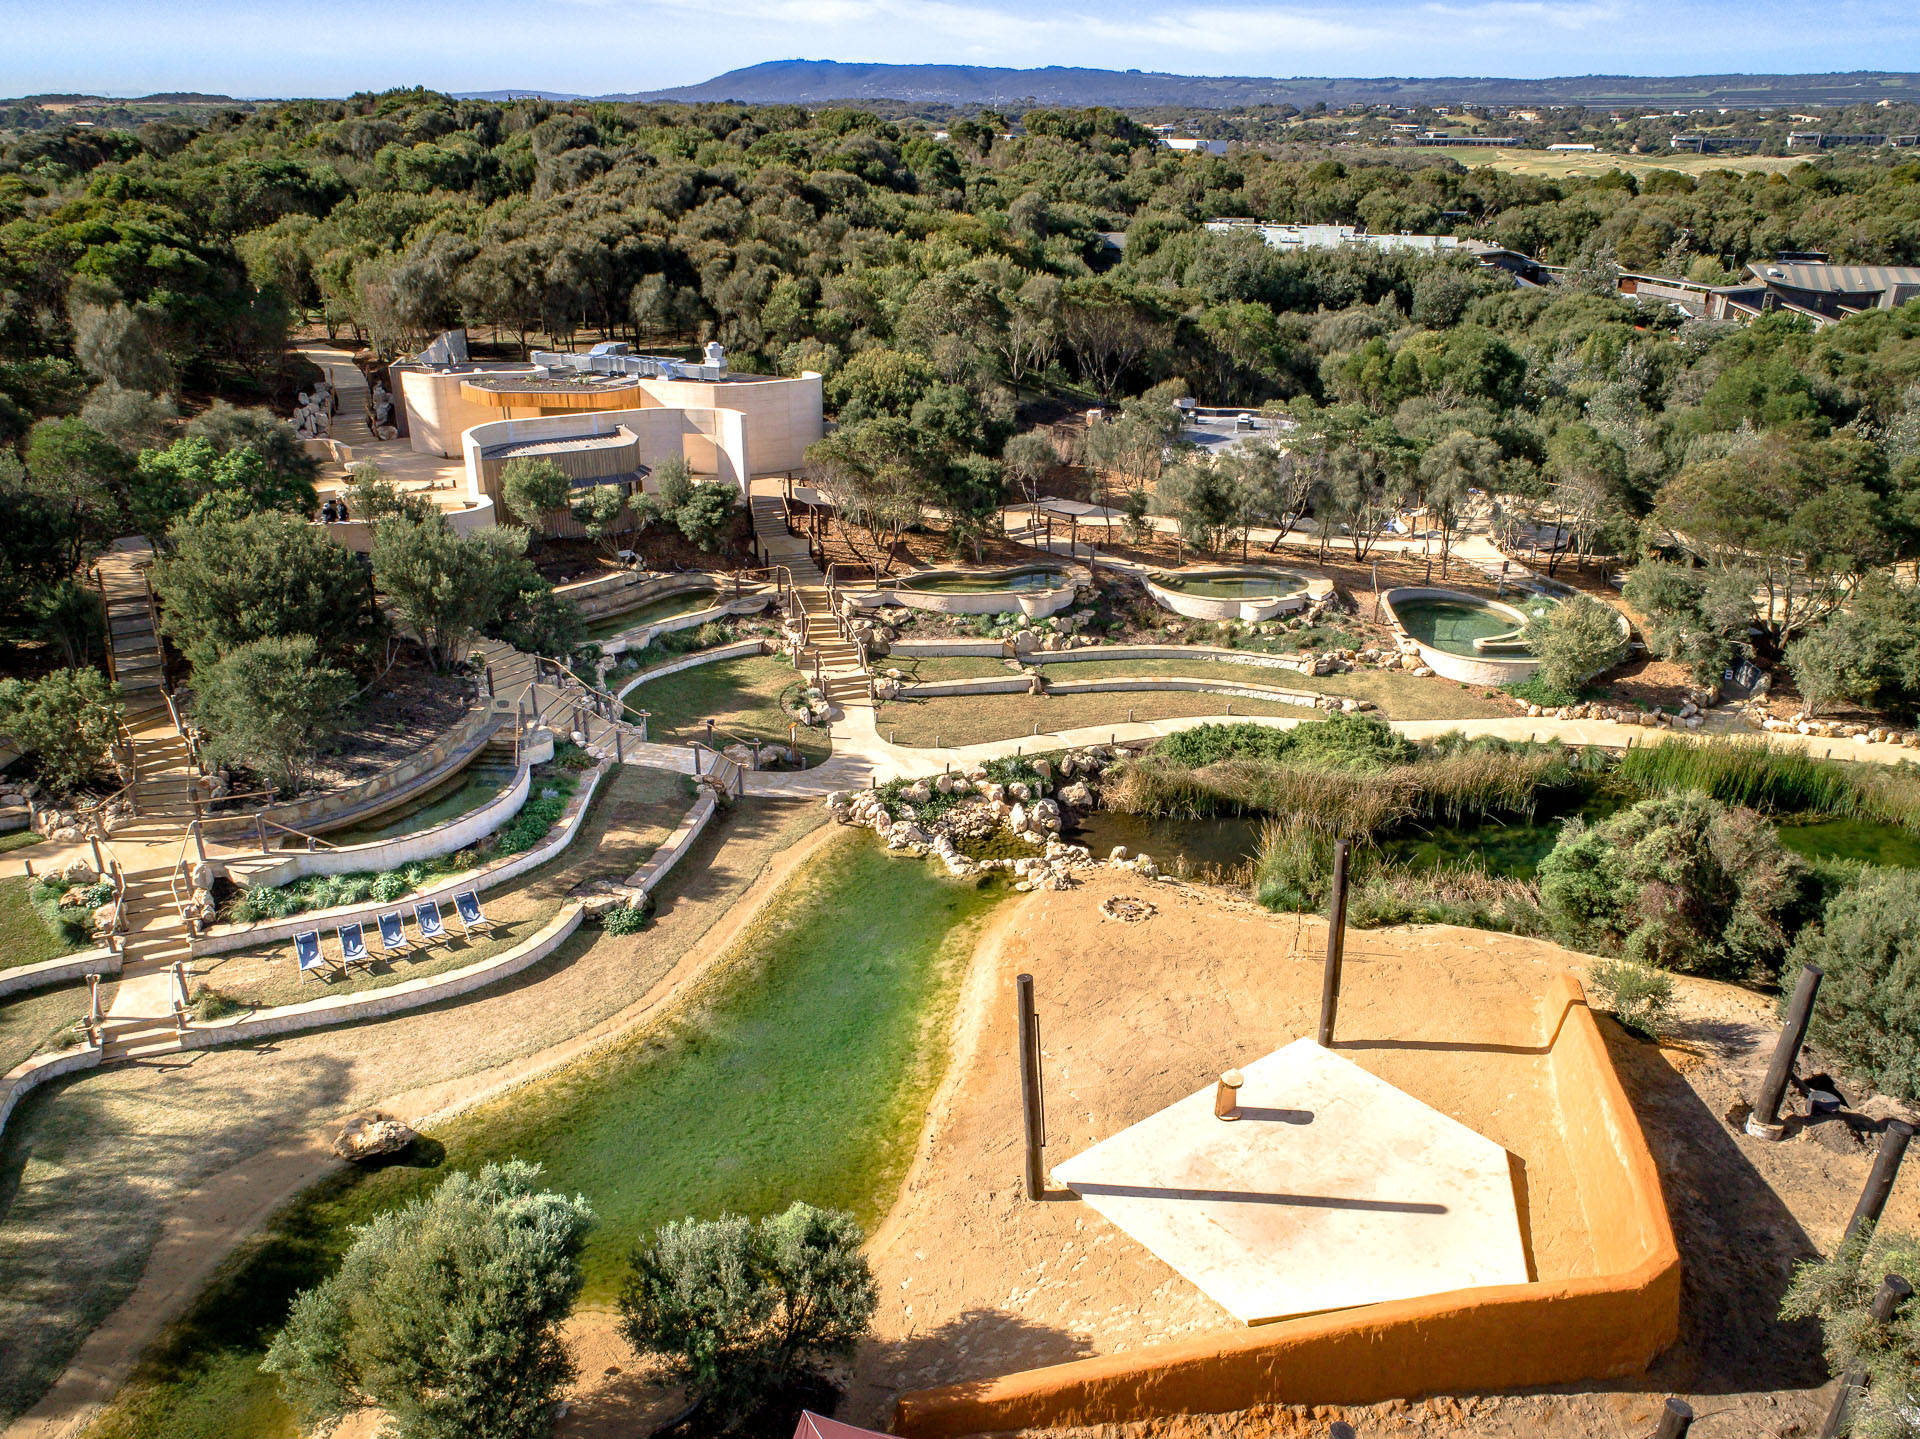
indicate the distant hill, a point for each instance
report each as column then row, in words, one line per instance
column 183, row 97
column 813, row 82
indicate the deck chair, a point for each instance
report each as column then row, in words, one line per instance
column 393, row 933
column 466, row 908
column 353, row 946
column 433, row 929
column 306, row 949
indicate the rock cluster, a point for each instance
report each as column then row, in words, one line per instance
column 1833, row 729
column 1690, row 715
column 987, row 806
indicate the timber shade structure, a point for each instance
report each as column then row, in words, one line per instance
column 545, row 394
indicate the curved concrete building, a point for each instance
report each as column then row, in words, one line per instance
column 610, row 417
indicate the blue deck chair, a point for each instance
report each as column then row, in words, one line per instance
column 466, row 908
column 306, row 949
column 432, row 929
column 353, row 946
column 393, row 933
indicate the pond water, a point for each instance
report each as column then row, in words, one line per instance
column 1866, row 840
column 1252, row 584
column 453, row 796
column 1453, row 626
column 1014, row 582
column 670, row 608
column 1226, row 842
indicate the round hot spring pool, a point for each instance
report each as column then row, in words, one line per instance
column 1033, row 590
column 1252, row 593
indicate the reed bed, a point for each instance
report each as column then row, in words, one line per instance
column 1755, row 775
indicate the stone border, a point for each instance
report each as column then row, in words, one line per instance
column 1259, row 659
column 393, row 999
column 29, row 1074
column 929, row 649
column 448, row 837
column 1609, row 1323
column 983, row 685
column 223, row 938
column 58, row 970
column 676, row 845
column 1132, row 683
column 737, row 650
column 640, row 636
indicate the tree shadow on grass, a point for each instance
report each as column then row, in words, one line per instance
column 90, row 1169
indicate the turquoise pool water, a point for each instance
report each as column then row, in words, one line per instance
column 1247, row 585
column 1452, row 626
column 670, row 608
column 454, row 796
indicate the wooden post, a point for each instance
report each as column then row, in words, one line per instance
column 1764, row 1122
column 99, row 862
column 1226, row 1095
column 1336, row 946
column 619, row 749
column 1032, row 1101
column 1676, row 1418
column 1887, row 1299
column 1886, row 1168
column 93, row 999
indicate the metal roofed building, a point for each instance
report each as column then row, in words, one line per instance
column 1333, row 237
column 1833, row 292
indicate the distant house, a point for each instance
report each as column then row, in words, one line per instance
column 1524, row 268
column 1208, row 147
column 1582, row 148
column 1832, row 292
column 1814, row 290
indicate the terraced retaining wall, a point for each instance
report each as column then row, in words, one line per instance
column 60, row 970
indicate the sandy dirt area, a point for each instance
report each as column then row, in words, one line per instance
column 977, row 1281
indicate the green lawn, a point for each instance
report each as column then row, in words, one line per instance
column 801, row 1070
column 741, row 696
column 929, row 668
column 26, row 938
column 29, row 1021
column 17, row 839
column 670, row 608
column 977, row 719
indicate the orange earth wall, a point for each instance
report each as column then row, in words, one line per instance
column 1610, row 1323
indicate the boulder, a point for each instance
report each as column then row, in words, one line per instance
column 1017, row 818
column 1117, row 854
column 371, row 1136
column 76, row 871
column 1077, row 795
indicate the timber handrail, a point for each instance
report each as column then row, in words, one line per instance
column 261, row 824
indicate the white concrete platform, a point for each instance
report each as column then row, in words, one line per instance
column 1333, row 1189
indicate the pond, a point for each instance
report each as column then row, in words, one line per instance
column 1248, row 584
column 807, row 1062
column 1226, row 842
column 1867, row 841
column 1456, row 627
column 998, row 582
column 452, row 797
column 670, row 608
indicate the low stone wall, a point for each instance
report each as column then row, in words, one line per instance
column 677, row 844
column 984, row 685
column 928, row 649
column 226, row 937
column 606, row 595
column 1565, row 1331
column 376, row 1003
column 641, row 636
column 450, row 837
column 419, row 771
column 30, row 1074
column 1119, row 683
column 1257, row 658
column 58, row 971
column 737, row 650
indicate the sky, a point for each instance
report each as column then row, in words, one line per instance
column 335, row 47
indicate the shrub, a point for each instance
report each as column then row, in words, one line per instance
column 1754, row 774
column 742, row 1312
column 627, row 918
column 211, row 1004
column 1868, row 1014
column 267, row 704
column 1681, row 882
column 65, row 720
column 390, row 886
column 1537, row 689
column 1342, row 740
column 1640, row 996
column 1574, row 641
column 1295, row 866
column 708, row 514
column 532, row 489
column 445, row 1313
column 1839, row 1293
